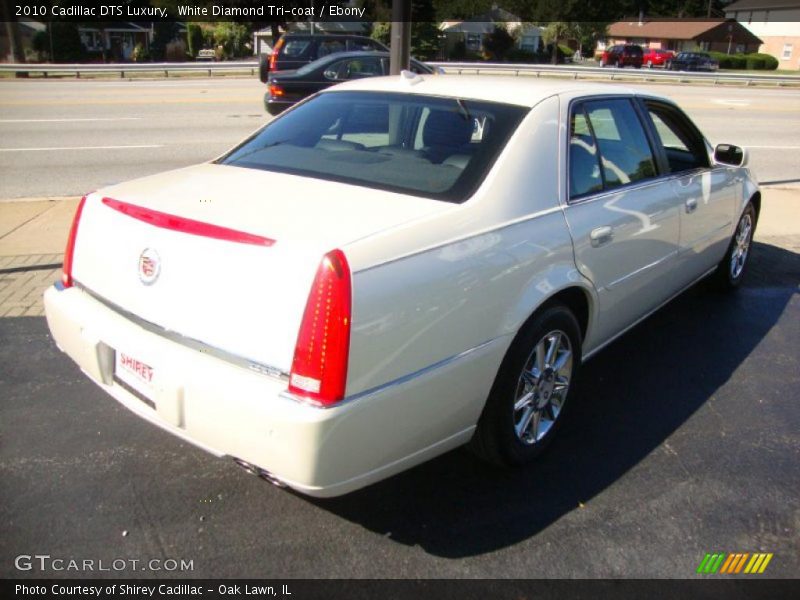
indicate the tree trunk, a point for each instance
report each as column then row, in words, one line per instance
column 555, row 51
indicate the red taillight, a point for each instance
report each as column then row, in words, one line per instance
column 275, row 91
column 319, row 368
column 66, row 275
column 274, row 56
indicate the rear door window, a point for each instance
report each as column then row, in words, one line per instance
column 295, row 48
column 625, row 153
column 608, row 147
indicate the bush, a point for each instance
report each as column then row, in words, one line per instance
column 140, row 53
column 755, row 63
column 233, row 37
column 175, row 51
column 770, row 62
column 746, row 61
column 518, row 55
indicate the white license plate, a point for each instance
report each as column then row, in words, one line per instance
column 136, row 374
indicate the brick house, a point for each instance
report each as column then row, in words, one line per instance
column 719, row 35
column 776, row 22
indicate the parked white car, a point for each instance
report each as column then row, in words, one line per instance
column 396, row 267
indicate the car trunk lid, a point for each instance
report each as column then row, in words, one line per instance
column 226, row 255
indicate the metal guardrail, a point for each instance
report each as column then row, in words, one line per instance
column 615, row 73
column 123, row 68
column 573, row 71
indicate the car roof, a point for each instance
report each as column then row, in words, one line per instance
column 331, row 36
column 508, row 89
column 328, row 58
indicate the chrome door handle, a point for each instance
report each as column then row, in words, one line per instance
column 601, row 235
column 691, row 205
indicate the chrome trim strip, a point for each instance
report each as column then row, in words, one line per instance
column 468, row 236
column 597, row 349
column 191, row 343
column 395, row 382
column 640, row 270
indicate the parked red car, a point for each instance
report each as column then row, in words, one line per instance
column 621, row 55
column 657, row 57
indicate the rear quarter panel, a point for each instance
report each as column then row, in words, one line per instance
column 436, row 290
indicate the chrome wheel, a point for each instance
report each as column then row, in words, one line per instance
column 542, row 387
column 741, row 247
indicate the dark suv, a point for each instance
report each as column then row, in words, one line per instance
column 294, row 50
column 621, row 55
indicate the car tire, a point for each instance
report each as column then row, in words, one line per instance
column 263, row 68
column 649, row 64
column 603, row 63
column 733, row 266
column 532, row 389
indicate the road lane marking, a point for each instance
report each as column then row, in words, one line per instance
column 153, row 101
column 774, row 147
column 70, row 120
column 733, row 102
column 81, row 148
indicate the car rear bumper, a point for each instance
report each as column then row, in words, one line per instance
column 276, row 107
column 230, row 410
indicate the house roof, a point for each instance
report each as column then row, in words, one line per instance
column 33, row 25
column 675, row 30
column 685, row 29
column 483, row 23
column 762, row 5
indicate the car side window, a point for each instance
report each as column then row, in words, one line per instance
column 625, row 153
column 295, row 48
column 683, row 145
column 327, row 47
column 584, row 162
column 354, row 68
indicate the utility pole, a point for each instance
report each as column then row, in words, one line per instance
column 400, row 47
column 12, row 32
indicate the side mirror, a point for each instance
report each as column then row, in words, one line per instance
column 728, row 154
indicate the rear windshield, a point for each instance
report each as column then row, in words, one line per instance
column 434, row 147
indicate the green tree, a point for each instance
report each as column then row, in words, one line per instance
column 382, row 31
column 41, row 44
column 194, row 35
column 232, row 36
column 498, row 43
column 556, row 32
column 164, row 33
column 67, row 46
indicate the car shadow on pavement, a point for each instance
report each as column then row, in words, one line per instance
column 633, row 396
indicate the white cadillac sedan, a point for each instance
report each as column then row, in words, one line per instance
column 396, row 267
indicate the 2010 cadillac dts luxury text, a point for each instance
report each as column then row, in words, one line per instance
column 396, row 267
